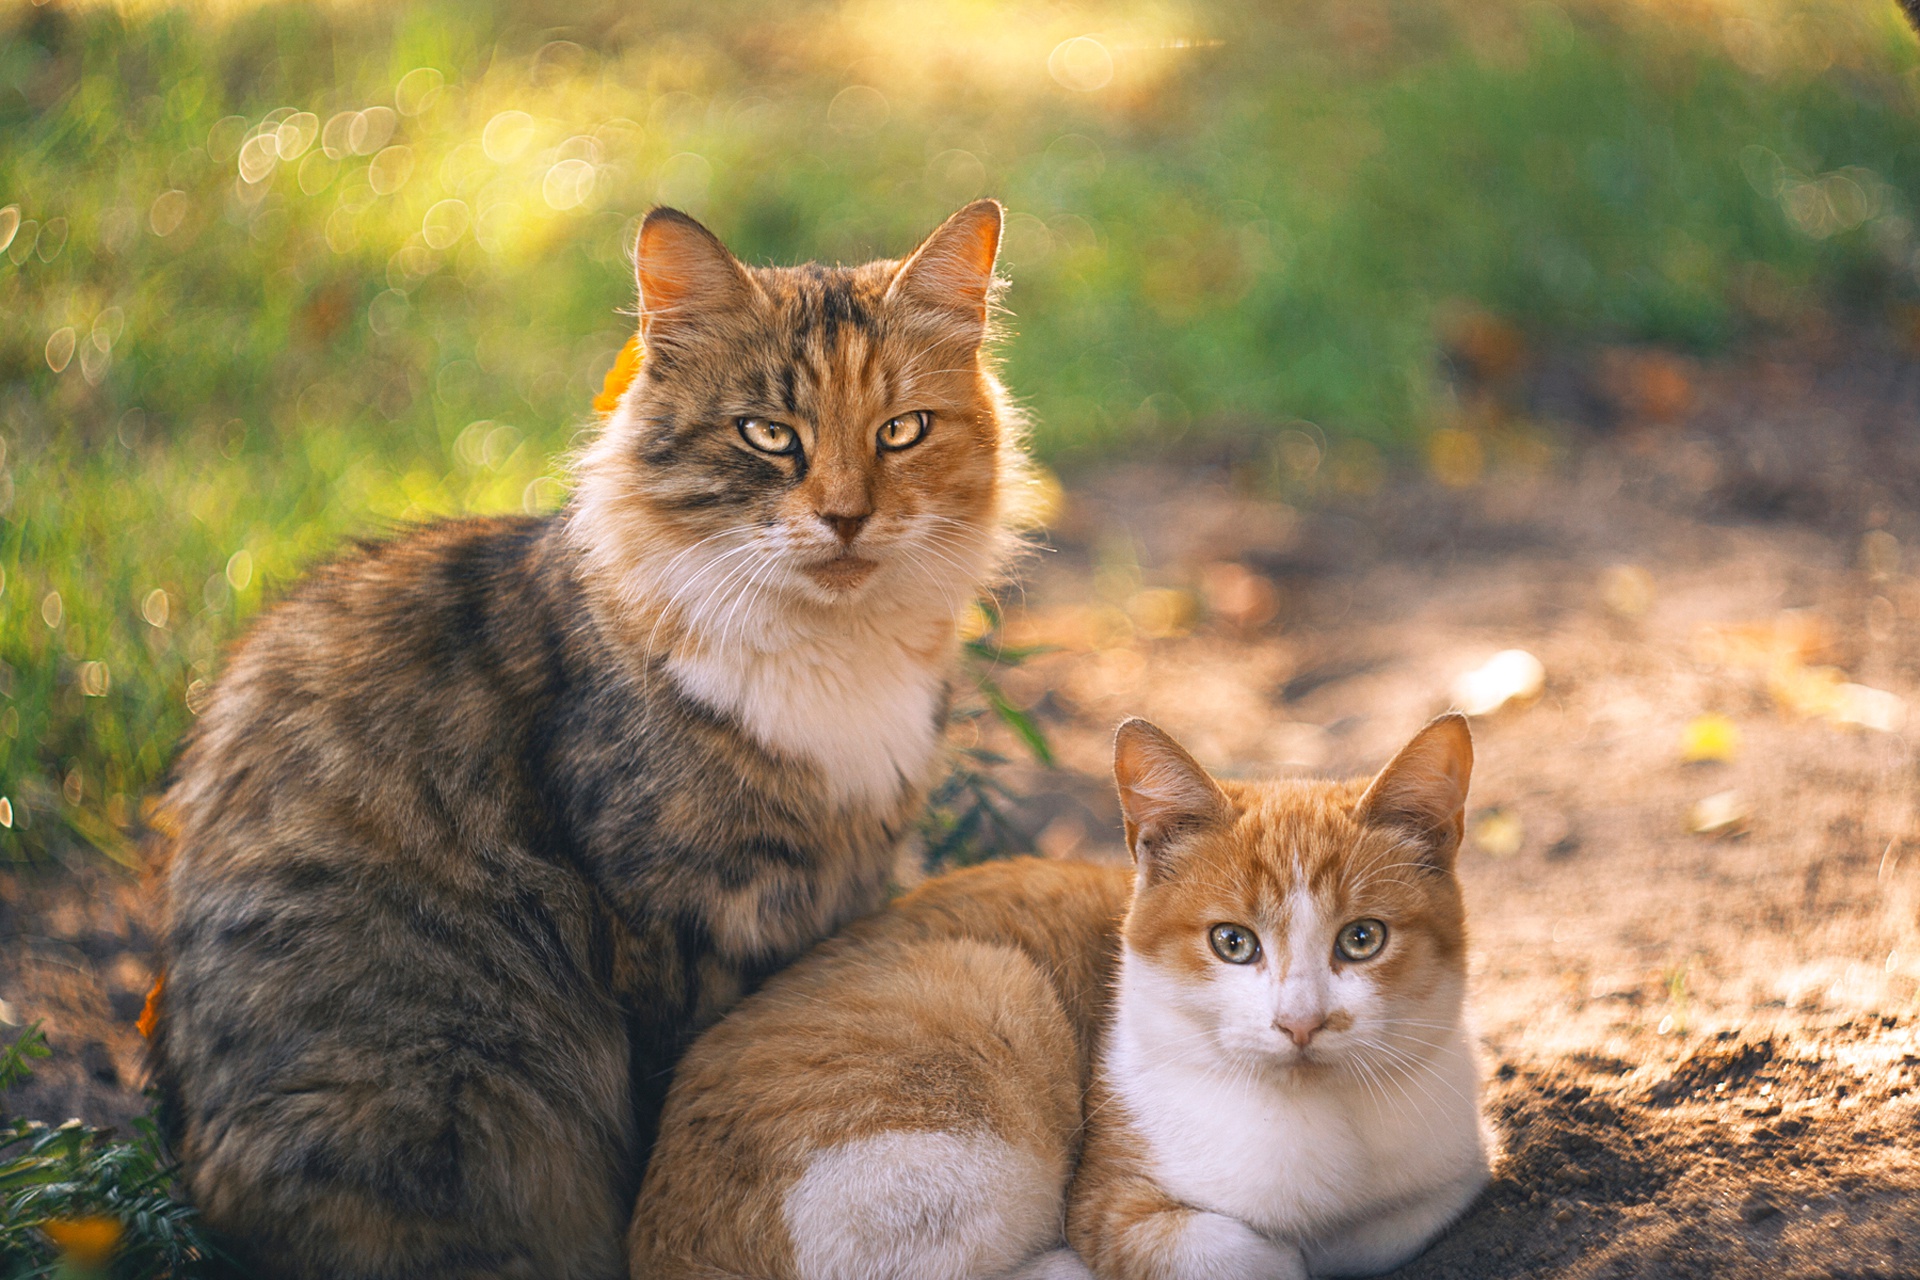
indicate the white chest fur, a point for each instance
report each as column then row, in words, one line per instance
column 1296, row 1159
column 859, row 706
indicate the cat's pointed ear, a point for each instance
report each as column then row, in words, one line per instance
column 1423, row 790
column 1164, row 793
column 951, row 273
column 686, row 276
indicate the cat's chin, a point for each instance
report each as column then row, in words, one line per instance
column 843, row 575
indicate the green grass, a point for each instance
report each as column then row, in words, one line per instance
column 104, row 1189
column 1257, row 220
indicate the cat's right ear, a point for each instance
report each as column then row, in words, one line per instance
column 1423, row 790
column 686, row 277
column 1164, row 794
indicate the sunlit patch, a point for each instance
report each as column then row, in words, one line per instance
column 1512, row 675
column 1082, row 64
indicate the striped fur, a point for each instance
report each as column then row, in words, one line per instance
column 482, row 825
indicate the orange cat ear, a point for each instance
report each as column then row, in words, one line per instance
column 952, row 270
column 1163, row 792
column 1423, row 790
column 686, row 275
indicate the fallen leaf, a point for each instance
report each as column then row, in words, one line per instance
column 88, row 1242
column 1722, row 813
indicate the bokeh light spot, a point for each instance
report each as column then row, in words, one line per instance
column 390, row 170
column 684, row 179
column 168, row 212
column 507, row 136
column 1082, row 64
column 858, row 109
column 417, row 90
column 60, row 349
column 445, row 223
column 295, row 134
column 568, row 184
column 370, row 130
column 240, row 569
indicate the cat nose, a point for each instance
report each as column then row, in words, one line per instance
column 1300, row 1028
column 846, row 528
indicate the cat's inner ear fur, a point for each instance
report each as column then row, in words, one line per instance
column 951, row 273
column 685, row 275
column 1423, row 790
column 1164, row 795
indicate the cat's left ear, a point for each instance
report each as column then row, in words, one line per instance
column 1423, row 790
column 951, row 273
column 1164, row 794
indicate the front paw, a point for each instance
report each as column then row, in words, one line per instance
column 1216, row 1247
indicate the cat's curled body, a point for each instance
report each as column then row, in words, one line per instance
column 1245, row 1060
column 481, row 825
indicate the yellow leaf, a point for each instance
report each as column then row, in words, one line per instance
column 1498, row 833
column 85, row 1242
column 626, row 366
column 1709, row 737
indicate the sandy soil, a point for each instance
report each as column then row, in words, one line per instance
column 1701, row 1046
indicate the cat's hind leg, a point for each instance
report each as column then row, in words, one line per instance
column 907, row 1114
column 933, row 1205
column 1055, row 1264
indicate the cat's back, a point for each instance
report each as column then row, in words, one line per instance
column 408, row 669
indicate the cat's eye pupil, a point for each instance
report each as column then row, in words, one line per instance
column 1234, row 943
column 905, row 431
column 1362, row 940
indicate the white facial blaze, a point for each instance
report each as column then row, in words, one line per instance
column 1302, row 996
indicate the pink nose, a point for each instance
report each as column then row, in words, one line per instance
column 1301, row 1029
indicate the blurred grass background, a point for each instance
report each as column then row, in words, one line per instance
column 279, row 273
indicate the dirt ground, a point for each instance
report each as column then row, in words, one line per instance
column 1698, row 1018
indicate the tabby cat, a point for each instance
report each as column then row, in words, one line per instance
column 483, row 824
column 1250, row 1047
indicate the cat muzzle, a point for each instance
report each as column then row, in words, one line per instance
column 843, row 572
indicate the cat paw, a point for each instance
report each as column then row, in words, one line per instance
column 1222, row 1248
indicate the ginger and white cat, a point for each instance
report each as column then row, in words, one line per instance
column 1244, row 1060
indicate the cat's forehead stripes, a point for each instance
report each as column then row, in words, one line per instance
column 1291, row 846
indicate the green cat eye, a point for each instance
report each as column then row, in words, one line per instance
column 1236, row 944
column 769, row 437
column 905, row 431
column 1361, row 940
